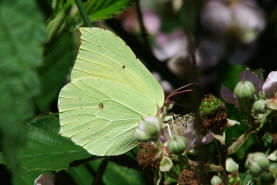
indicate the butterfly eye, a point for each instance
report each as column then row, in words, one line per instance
column 123, row 67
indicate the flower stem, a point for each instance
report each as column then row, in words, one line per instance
column 222, row 158
column 83, row 12
column 100, row 171
column 142, row 27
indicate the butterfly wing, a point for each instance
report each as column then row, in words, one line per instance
column 101, row 115
column 109, row 93
column 103, row 55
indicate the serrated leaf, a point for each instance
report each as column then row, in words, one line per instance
column 22, row 33
column 103, row 9
column 56, row 68
column 46, row 149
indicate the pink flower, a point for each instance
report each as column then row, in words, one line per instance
column 151, row 22
column 171, row 45
column 270, row 84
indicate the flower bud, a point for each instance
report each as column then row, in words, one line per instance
column 177, row 144
column 244, row 90
column 273, row 169
column 231, row 165
column 259, row 106
column 216, row 180
column 149, row 128
column 267, row 178
column 257, row 163
column 166, row 164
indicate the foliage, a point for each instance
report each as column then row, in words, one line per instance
column 103, row 9
column 220, row 128
column 23, row 33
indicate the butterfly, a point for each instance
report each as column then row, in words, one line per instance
column 110, row 92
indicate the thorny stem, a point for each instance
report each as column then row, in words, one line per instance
column 221, row 162
column 83, row 12
column 100, row 171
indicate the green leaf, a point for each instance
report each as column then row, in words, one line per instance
column 242, row 152
column 81, row 175
column 23, row 177
column 246, row 178
column 230, row 76
column 267, row 139
column 46, row 149
column 119, row 174
column 103, row 9
column 21, row 36
column 56, row 68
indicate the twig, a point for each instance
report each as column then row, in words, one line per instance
column 83, row 12
column 125, row 160
column 214, row 168
column 100, row 171
column 142, row 27
column 83, row 161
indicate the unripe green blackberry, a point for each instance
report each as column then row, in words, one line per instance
column 210, row 105
column 177, row 144
column 267, row 178
column 213, row 114
column 257, row 163
column 273, row 169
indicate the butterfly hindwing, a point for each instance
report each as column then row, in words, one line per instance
column 101, row 115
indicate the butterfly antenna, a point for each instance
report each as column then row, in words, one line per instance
column 179, row 92
column 185, row 86
column 176, row 91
